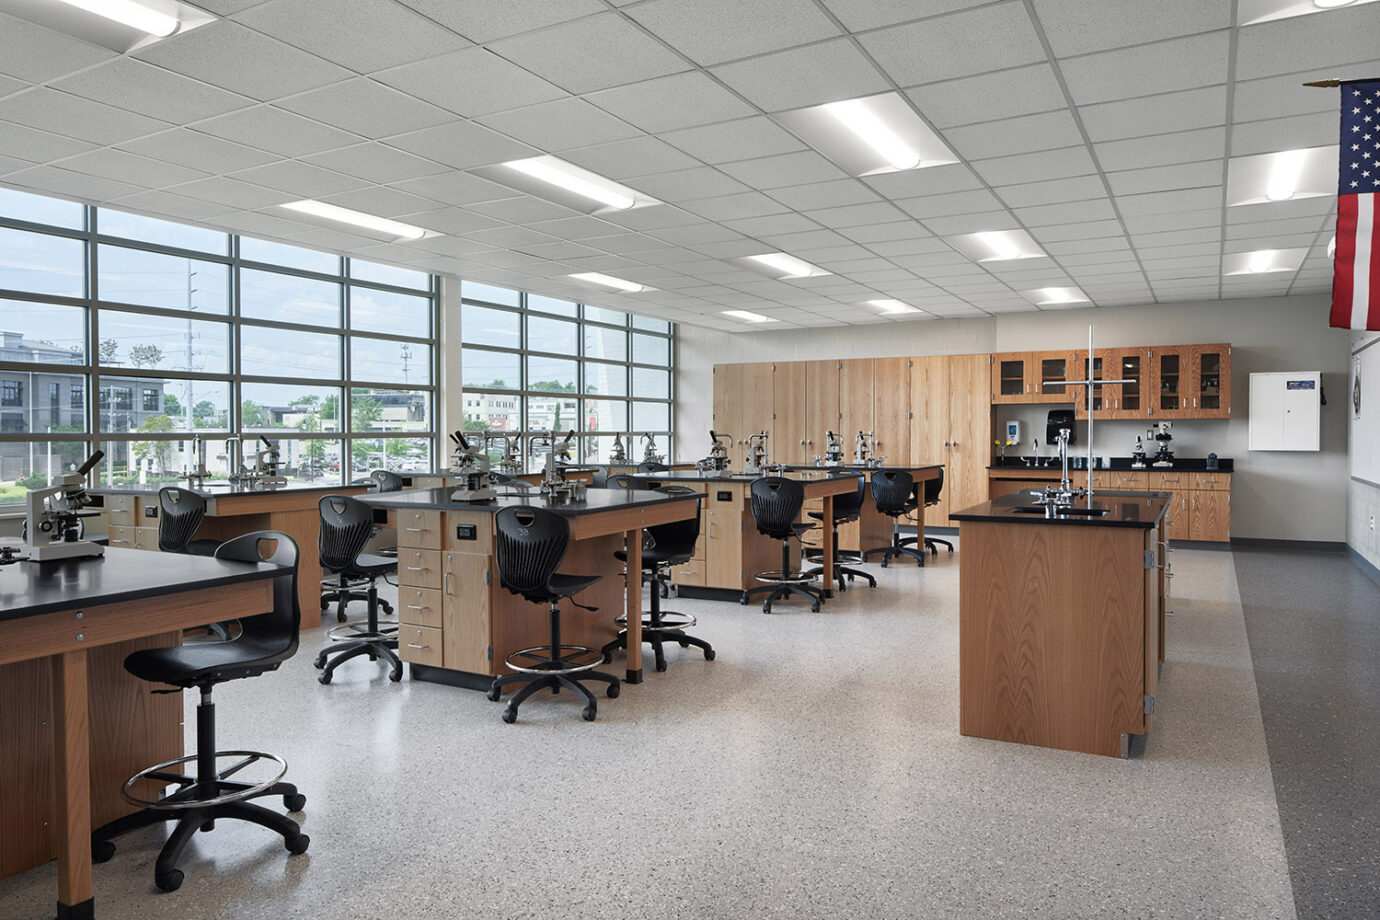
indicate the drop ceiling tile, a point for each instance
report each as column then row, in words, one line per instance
column 974, row 201
column 1281, row 210
column 197, row 151
column 1274, row 241
column 729, row 249
column 1277, row 97
column 272, row 129
column 333, row 240
column 462, row 145
column 1137, row 224
column 61, row 113
column 1284, row 134
column 646, row 219
column 560, row 125
column 813, row 75
column 138, row 87
column 363, row 35
column 455, row 188
column 1155, row 115
column 37, row 146
column 1085, row 230
column 1341, row 36
column 1159, row 254
column 1286, row 226
column 803, row 241
column 890, row 248
column 1170, row 237
column 739, row 29
column 71, row 184
column 638, row 156
column 634, row 244
column 1169, row 202
column 32, row 53
column 785, row 169
column 1163, row 150
column 912, row 183
column 696, row 234
column 903, row 230
column 471, row 82
column 989, row 97
column 171, row 205
column 855, row 215
column 366, row 108
column 1052, row 191
column 484, row 22
column 238, row 59
column 234, row 193
column 699, row 100
column 1167, row 178
column 687, row 184
column 381, row 201
column 1035, row 167
column 732, row 140
column 454, row 221
column 128, row 167
column 375, row 162
column 956, row 45
column 11, row 164
column 591, row 54
column 824, row 194
column 579, row 228
column 301, row 180
column 11, row 85
column 772, row 224
column 1024, row 134
column 731, row 207
column 521, row 210
column 971, row 223
column 1076, row 27
column 1162, row 67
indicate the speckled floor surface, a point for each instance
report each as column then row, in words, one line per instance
column 813, row 771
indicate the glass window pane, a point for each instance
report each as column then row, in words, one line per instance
column 307, row 460
column 550, row 305
column 35, row 402
column 490, row 369
column 39, row 333
column 42, row 264
column 152, row 404
column 483, row 326
column 651, row 416
column 600, row 315
column 40, row 209
column 596, row 449
column 266, row 352
column 649, row 349
column 152, row 279
column 280, row 406
column 609, row 344
column 163, row 232
column 164, row 343
column 308, row 260
column 651, row 384
column 401, row 455
column 385, row 311
column 25, row 466
column 380, row 409
column 390, row 274
column 288, row 298
column 492, row 411
column 552, row 335
column 650, row 325
column 606, row 379
column 388, row 361
column 556, row 374
column 605, row 415
column 548, row 413
column 470, row 290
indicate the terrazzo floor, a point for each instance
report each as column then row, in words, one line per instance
column 813, row 770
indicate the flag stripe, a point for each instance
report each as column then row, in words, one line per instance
column 1360, row 264
column 1373, row 267
column 1342, row 276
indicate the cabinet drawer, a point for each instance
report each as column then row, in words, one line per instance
column 146, row 538
column 468, row 532
column 1160, row 481
column 420, row 644
column 122, row 536
column 692, row 573
column 419, row 568
column 419, row 529
column 419, row 606
column 120, row 510
column 1212, row 482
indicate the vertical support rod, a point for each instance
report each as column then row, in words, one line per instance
column 72, row 760
column 633, row 608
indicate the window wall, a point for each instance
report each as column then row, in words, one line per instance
column 134, row 335
column 532, row 364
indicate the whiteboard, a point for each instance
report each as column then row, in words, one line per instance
column 1364, row 438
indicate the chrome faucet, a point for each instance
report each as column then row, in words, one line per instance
column 1063, row 496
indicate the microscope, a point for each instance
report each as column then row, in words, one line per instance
column 717, row 461
column 472, row 462
column 510, row 464
column 52, row 517
column 1164, row 456
column 864, row 450
column 1138, row 455
column 618, row 454
column 833, row 451
column 268, row 465
column 757, row 461
column 554, row 485
column 649, row 454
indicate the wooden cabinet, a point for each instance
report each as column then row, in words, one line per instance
column 729, row 400
column 1211, row 388
column 1053, row 370
column 951, row 423
column 929, row 423
column 1171, row 367
column 821, row 407
column 788, row 419
column 1209, row 516
column 1101, row 392
column 1201, row 505
column 891, row 409
column 1129, row 400
column 465, row 607
column 856, row 402
column 1013, row 380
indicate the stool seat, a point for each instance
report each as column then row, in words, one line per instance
column 208, row 662
column 655, row 558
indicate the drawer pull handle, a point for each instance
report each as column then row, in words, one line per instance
column 119, row 541
column 417, row 568
column 415, row 645
column 416, row 530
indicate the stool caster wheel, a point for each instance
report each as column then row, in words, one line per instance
column 102, row 851
column 297, row 845
column 608, row 657
column 709, row 654
column 396, row 675
column 661, row 665
column 743, row 600
column 325, row 677
column 766, row 608
column 614, row 690
column 814, row 608
column 320, row 661
column 325, row 604
column 588, row 713
column 883, row 563
column 168, row 881
column 295, row 802
column 509, row 714
column 494, row 693
column 684, row 644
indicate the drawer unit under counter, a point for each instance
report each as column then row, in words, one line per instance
column 1214, row 481
column 146, row 538
column 419, row 606
column 420, row 644
column 419, row 529
column 122, row 535
column 419, row 568
column 120, row 510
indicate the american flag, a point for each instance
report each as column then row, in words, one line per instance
column 1356, row 264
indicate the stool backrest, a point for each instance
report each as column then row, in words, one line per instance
column 600, row 479
column 386, row 481
column 678, row 538
column 529, row 547
column 281, row 624
column 652, row 467
column 850, row 503
column 625, row 481
column 776, row 503
column 891, row 491
column 933, row 487
column 180, row 513
column 346, row 526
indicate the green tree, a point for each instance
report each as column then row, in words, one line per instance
column 159, row 451
column 474, row 424
column 171, row 404
column 253, row 415
column 553, row 386
column 145, row 355
column 364, row 412
column 108, row 351
column 330, row 408
column 396, row 447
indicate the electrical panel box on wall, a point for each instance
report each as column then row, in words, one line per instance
column 1286, row 411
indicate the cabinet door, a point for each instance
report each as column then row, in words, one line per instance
column 1210, row 516
column 466, row 583
column 821, row 406
column 728, row 400
column 1172, row 372
column 1012, row 381
column 1128, row 399
column 929, row 422
column 856, row 391
column 788, row 421
column 1211, row 394
column 1053, row 370
column 891, row 409
column 1177, row 517
column 970, row 436
column 756, row 397
column 1101, row 392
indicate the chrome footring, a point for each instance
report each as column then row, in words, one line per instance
column 247, row 758
column 541, row 654
column 775, row 577
column 350, row 632
column 670, row 619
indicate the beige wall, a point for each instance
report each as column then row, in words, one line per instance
column 1275, row 495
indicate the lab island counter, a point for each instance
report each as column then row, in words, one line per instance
column 1061, row 620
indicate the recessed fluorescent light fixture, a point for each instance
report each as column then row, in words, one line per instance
column 1262, row 261
column 119, row 25
column 747, row 316
column 892, row 307
column 608, row 281
column 1308, row 172
column 565, row 183
column 781, row 266
column 1056, row 296
column 130, row 13
column 1250, row 12
column 997, row 245
column 871, row 135
column 381, row 225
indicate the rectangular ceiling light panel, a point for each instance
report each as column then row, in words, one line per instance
column 119, row 25
column 997, row 245
column 875, row 134
column 1250, row 12
column 566, row 184
column 1263, row 261
column 371, row 224
column 781, row 266
column 1309, row 172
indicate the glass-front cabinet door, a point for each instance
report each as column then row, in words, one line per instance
column 1129, row 401
column 1055, row 370
column 1102, row 393
column 1012, row 379
column 1211, row 391
column 1172, row 372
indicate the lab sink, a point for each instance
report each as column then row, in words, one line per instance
column 1060, row 512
